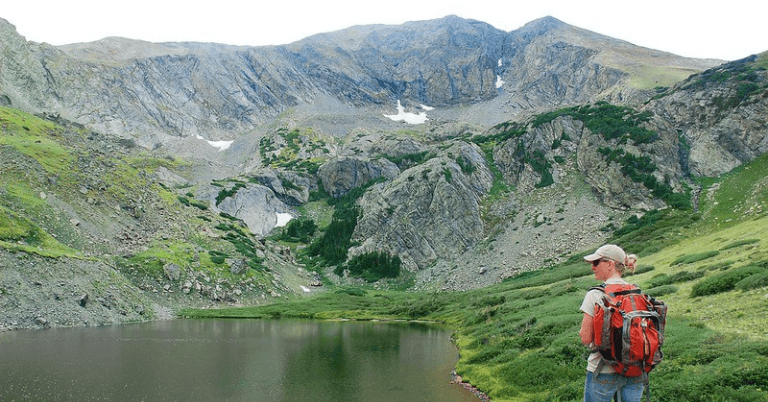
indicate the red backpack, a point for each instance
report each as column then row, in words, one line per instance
column 629, row 329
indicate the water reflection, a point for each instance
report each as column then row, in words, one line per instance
column 231, row 360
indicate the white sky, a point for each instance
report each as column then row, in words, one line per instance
column 726, row 30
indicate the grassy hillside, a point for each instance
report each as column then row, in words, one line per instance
column 518, row 339
column 70, row 194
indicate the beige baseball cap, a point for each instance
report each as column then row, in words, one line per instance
column 609, row 251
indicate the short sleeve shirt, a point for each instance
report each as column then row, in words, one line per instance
column 588, row 307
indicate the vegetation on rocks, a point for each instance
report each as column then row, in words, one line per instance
column 83, row 199
column 612, row 122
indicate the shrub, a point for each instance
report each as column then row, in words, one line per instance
column 225, row 193
column 739, row 243
column 725, row 281
column 337, row 239
column 540, row 165
column 490, row 301
column 408, row 160
column 691, row 258
column 217, row 257
column 531, row 373
column 753, row 282
column 508, row 130
column 641, row 269
column 299, row 230
column 466, row 166
column 352, row 292
column 199, row 205
column 661, row 290
column 448, row 175
column 374, row 266
column 682, row 276
column 493, row 352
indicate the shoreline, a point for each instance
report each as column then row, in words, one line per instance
column 456, row 379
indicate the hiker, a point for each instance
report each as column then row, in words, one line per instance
column 609, row 263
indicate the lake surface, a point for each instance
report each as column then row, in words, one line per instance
column 231, row 360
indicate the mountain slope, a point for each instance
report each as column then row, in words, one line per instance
column 91, row 233
column 185, row 157
column 158, row 93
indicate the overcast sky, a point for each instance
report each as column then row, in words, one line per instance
column 725, row 30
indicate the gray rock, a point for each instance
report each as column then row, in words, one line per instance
column 237, row 266
column 172, row 271
column 83, row 300
column 341, row 175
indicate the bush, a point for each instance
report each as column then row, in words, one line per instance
column 531, row 373
column 490, row 301
column 217, row 257
column 373, row 266
column 351, row 291
column 225, row 193
column 725, row 281
column 408, row 159
column 691, row 258
column 337, row 239
column 299, row 230
column 739, row 243
column 753, row 282
column 466, row 166
column 682, row 276
column 661, row 290
column 540, row 165
column 640, row 269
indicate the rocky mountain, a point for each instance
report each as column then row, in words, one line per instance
column 469, row 153
column 161, row 93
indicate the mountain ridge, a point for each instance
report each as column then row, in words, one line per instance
column 220, row 91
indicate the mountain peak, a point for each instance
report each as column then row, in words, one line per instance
column 543, row 25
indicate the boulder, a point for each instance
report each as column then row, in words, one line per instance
column 172, row 271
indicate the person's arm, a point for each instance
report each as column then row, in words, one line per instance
column 587, row 332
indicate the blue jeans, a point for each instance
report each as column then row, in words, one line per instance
column 603, row 387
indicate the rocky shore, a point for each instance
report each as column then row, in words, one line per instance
column 456, row 379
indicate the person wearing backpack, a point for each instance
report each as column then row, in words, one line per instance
column 612, row 309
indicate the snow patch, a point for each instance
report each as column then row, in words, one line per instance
column 499, row 81
column 221, row 145
column 283, row 219
column 408, row 117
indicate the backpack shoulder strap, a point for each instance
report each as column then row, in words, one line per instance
column 616, row 289
column 600, row 287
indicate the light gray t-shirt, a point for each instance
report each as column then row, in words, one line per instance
column 588, row 306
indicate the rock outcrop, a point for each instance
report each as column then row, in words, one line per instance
column 720, row 115
column 430, row 211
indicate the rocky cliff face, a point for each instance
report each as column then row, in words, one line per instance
column 720, row 115
column 431, row 211
column 157, row 92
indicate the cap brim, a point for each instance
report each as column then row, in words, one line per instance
column 593, row 257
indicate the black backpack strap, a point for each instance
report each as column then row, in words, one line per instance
column 600, row 287
column 628, row 292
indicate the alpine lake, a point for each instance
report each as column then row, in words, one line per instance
column 232, row 360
